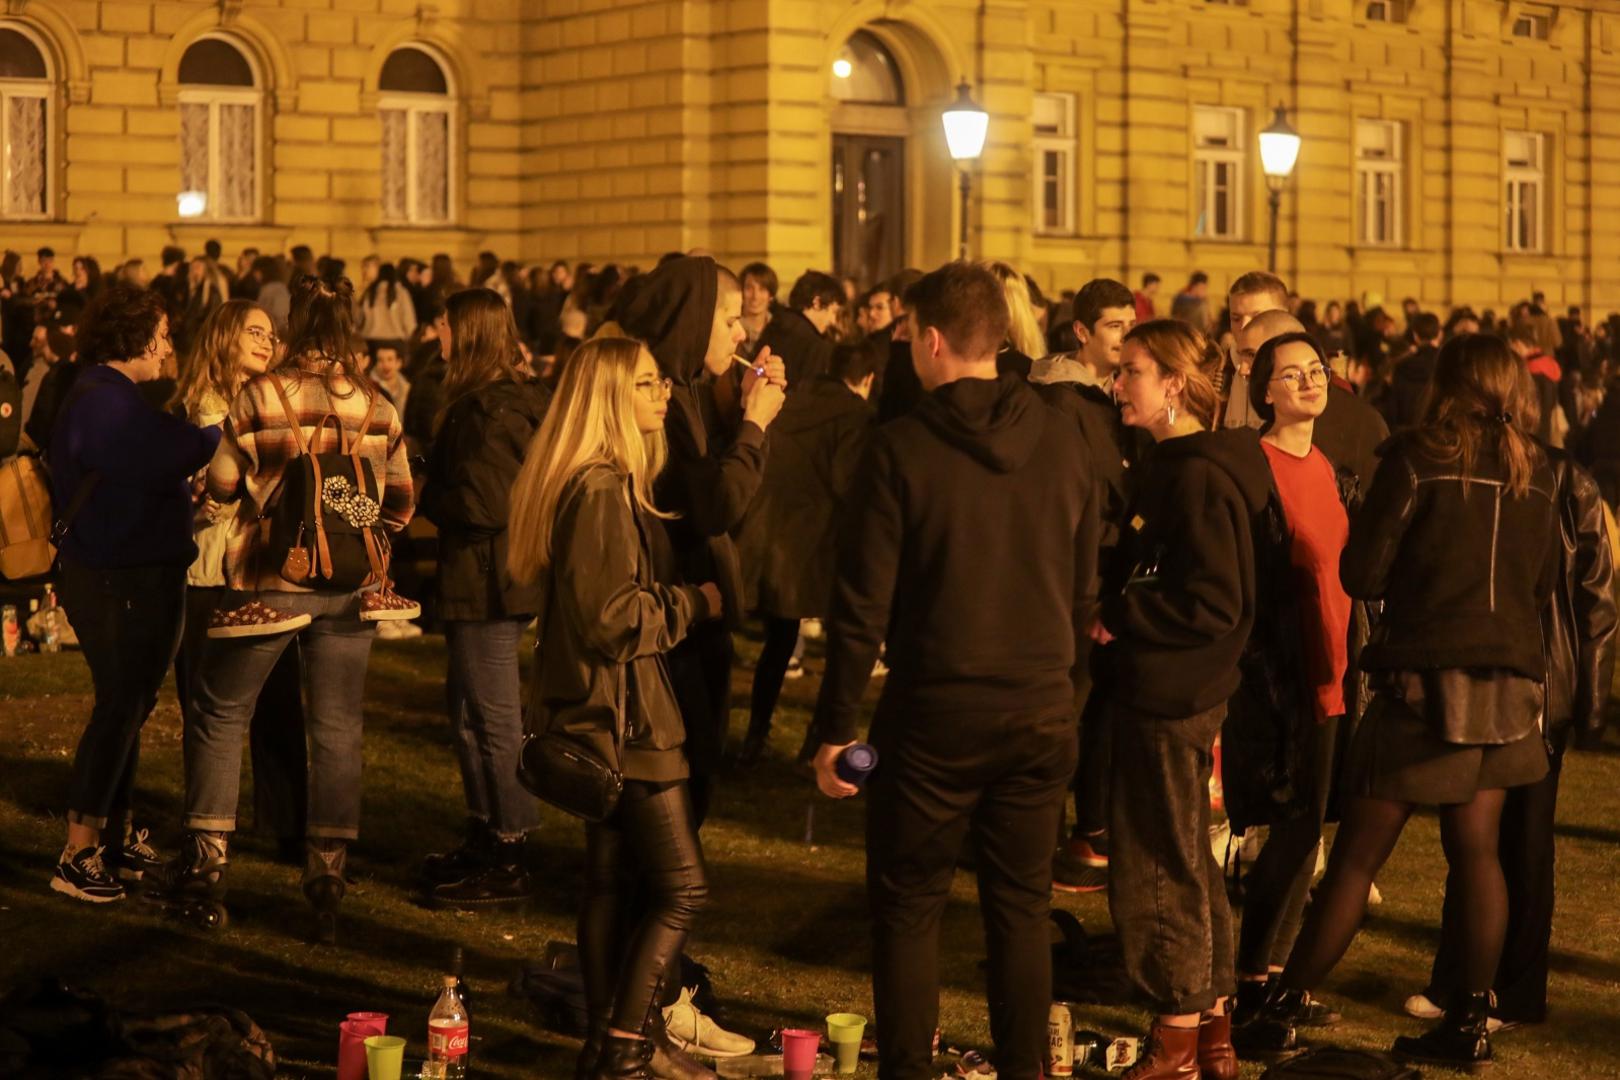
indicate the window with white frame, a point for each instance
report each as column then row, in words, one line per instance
column 418, row 138
column 1055, row 152
column 1379, row 176
column 1524, row 179
column 220, row 114
column 1388, row 11
column 1218, row 169
column 1532, row 24
column 25, row 125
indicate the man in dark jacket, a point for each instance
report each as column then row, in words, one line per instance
column 969, row 545
column 1402, row 406
column 797, row 333
column 1524, row 339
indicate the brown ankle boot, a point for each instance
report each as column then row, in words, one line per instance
column 1171, row 1054
column 1216, row 1058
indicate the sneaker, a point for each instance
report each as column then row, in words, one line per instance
column 135, row 857
column 1420, row 1006
column 384, row 604
column 795, row 669
column 695, row 1033
column 398, row 630
column 1081, row 864
column 491, row 887
column 474, row 853
column 812, row 630
column 254, row 619
column 82, row 875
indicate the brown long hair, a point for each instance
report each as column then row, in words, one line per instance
column 1478, row 382
column 320, row 325
column 483, row 345
column 210, row 362
column 1179, row 349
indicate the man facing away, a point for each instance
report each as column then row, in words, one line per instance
column 969, row 545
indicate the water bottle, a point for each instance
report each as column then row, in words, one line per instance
column 447, row 1036
column 50, row 638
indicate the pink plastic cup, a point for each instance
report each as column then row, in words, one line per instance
column 379, row 1020
column 799, row 1053
column 352, row 1036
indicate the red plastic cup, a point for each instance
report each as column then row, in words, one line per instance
column 379, row 1020
column 799, row 1053
column 352, row 1036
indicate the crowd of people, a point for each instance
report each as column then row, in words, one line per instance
column 1080, row 543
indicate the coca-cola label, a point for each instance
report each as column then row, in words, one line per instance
column 447, row 1038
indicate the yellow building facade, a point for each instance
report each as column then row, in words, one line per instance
column 1458, row 151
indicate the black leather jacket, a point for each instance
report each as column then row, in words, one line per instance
column 1579, row 621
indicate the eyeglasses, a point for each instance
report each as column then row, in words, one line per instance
column 260, row 334
column 656, row 390
column 1302, row 377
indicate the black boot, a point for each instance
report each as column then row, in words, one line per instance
column 596, row 1026
column 324, row 861
column 1251, row 998
column 504, row 882
column 753, row 747
column 1269, row 1034
column 624, row 1059
column 1459, row 1041
column 463, row 860
column 1252, row 995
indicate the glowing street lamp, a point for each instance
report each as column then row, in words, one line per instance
column 1279, row 150
column 966, row 126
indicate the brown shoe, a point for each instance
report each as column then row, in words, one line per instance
column 378, row 605
column 1171, row 1054
column 1216, row 1058
column 253, row 619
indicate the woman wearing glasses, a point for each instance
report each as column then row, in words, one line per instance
column 1292, row 698
column 489, row 415
column 584, row 527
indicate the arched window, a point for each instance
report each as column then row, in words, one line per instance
column 418, row 138
column 220, row 116
column 864, row 73
column 25, row 124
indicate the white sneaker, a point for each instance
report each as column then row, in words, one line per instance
column 812, row 630
column 795, row 669
column 397, row 629
column 1420, row 1006
column 695, row 1033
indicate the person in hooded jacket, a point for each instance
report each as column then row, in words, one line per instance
column 689, row 312
column 1178, row 613
column 490, row 414
column 787, row 539
column 969, row 546
column 797, row 333
column 1402, row 406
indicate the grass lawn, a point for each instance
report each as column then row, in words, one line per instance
column 785, row 934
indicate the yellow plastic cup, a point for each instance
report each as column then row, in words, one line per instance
column 844, row 1031
column 385, row 1057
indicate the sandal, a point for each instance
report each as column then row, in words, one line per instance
column 253, row 619
column 383, row 603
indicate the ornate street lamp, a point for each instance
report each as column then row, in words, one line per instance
column 1279, row 150
column 965, row 127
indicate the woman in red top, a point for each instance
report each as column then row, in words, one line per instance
column 1288, row 388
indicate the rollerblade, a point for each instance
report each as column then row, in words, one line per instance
column 191, row 886
column 324, row 862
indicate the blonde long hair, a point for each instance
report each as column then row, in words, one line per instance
column 1024, row 334
column 210, row 363
column 591, row 421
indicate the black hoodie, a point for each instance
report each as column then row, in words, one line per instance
column 713, row 470
column 969, row 544
column 1184, row 612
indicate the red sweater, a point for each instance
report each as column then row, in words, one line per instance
column 1319, row 528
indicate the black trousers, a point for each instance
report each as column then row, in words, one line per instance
column 1526, row 851
column 645, row 856
column 1166, row 892
column 1001, row 778
column 128, row 621
column 700, row 671
column 1279, row 883
column 276, row 745
column 1091, row 775
column 781, row 638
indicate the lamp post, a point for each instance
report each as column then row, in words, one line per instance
column 965, row 127
column 1279, row 150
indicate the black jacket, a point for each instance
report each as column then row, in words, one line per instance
column 1349, row 432
column 1579, row 620
column 1464, row 572
column 1402, row 404
column 476, row 457
column 901, row 389
column 1112, row 447
column 969, row 546
column 1184, row 609
column 802, row 349
column 1598, row 447
column 788, row 536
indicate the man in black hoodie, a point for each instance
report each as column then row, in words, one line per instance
column 796, row 333
column 969, row 544
column 1409, row 388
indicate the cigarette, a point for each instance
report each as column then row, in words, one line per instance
column 759, row 370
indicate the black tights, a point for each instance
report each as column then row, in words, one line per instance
column 1468, row 832
column 650, row 841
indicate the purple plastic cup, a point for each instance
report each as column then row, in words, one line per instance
column 799, row 1053
column 856, row 763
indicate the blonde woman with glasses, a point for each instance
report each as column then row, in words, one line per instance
column 584, row 525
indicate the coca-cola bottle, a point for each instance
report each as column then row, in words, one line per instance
column 447, row 1036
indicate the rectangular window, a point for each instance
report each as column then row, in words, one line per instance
column 1055, row 153
column 24, row 171
column 416, row 161
column 1379, row 176
column 219, row 153
column 1388, row 11
column 1532, row 25
column 1218, row 172
column 1524, row 189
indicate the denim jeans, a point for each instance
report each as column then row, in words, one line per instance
column 336, row 646
column 128, row 621
column 485, row 692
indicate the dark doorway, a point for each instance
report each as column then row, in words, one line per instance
column 868, row 186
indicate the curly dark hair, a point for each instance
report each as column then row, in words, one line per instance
column 119, row 324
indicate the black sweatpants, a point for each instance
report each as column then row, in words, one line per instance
column 781, row 638
column 700, row 673
column 1002, row 778
column 1526, row 851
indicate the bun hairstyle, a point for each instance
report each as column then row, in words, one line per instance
column 1179, row 349
column 320, row 326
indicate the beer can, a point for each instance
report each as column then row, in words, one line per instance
column 10, row 630
column 1060, row 1039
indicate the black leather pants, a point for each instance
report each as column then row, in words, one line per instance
column 651, row 841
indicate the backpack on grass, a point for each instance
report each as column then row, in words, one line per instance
column 1333, row 1063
